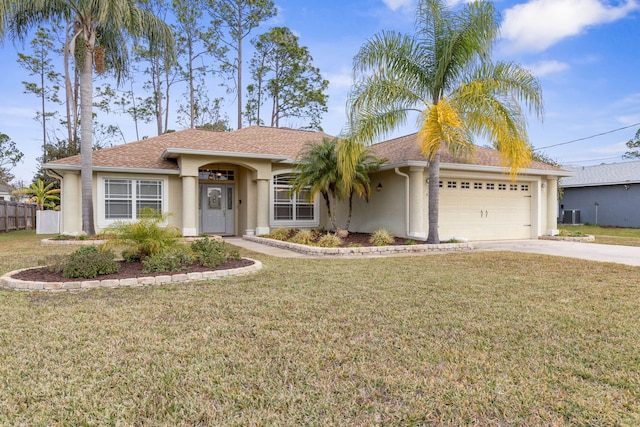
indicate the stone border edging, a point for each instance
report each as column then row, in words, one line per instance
column 6, row 281
column 363, row 250
column 70, row 242
column 587, row 238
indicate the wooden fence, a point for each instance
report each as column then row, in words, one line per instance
column 17, row 216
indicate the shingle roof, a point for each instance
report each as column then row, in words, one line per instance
column 146, row 154
column 276, row 142
column 609, row 174
column 406, row 148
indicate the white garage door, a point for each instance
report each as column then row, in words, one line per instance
column 484, row 210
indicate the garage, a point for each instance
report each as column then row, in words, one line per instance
column 484, row 210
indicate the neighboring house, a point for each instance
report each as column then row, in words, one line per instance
column 5, row 192
column 607, row 194
column 235, row 183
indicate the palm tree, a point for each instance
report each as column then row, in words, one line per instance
column 42, row 195
column 444, row 73
column 100, row 35
column 319, row 172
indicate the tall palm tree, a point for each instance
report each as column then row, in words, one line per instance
column 101, row 28
column 319, row 171
column 444, row 73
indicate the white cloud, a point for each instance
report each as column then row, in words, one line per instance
column 538, row 24
column 544, row 68
column 397, row 4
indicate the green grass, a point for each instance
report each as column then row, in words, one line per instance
column 608, row 235
column 468, row 338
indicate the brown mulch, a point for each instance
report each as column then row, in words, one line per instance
column 127, row 270
column 363, row 240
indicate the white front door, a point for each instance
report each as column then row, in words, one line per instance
column 217, row 209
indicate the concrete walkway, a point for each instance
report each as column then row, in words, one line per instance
column 627, row 255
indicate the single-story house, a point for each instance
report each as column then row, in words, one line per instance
column 607, row 194
column 235, row 183
column 6, row 192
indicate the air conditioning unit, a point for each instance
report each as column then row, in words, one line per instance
column 571, row 216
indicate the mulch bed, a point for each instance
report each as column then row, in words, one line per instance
column 362, row 239
column 127, row 270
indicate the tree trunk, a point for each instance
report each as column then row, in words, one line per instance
column 346, row 227
column 86, row 139
column 434, row 199
column 239, row 41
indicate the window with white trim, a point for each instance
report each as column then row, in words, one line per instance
column 124, row 198
column 290, row 207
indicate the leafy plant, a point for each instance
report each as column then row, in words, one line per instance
column 89, row 262
column 172, row 260
column 381, row 237
column 211, row 253
column 281, row 233
column 145, row 237
column 410, row 242
column 355, row 245
column 329, row 241
column 42, row 195
column 55, row 263
column 303, row 237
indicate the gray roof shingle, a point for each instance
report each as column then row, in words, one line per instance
column 609, row 174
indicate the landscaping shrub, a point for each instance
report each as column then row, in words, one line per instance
column 303, row 237
column 381, row 237
column 211, row 253
column 144, row 237
column 89, row 262
column 55, row 263
column 281, row 233
column 173, row 260
column 329, row 241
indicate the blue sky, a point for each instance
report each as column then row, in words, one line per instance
column 585, row 53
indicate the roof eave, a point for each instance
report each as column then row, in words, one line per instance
column 113, row 169
column 172, row 153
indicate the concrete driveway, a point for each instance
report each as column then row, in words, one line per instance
column 628, row 255
column 590, row 251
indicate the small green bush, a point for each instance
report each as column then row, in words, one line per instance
column 279, row 234
column 173, row 260
column 211, row 253
column 303, row 237
column 89, row 262
column 145, row 237
column 55, row 263
column 329, row 241
column 355, row 245
column 382, row 237
column 410, row 242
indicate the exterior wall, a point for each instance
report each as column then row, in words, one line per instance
column 386, row 208
column 616, row 205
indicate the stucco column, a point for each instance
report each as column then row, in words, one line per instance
column 189, row 211
column 416, row 203
column 71, row 202
column 262, row 214
column 552, row 205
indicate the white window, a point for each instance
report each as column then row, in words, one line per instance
column 477, row 186
column 464, row 185
column 121, row 198
column 502, row 187
column 290, row 208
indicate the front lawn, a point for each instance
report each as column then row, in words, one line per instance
column 482, row 338
column 607, row 235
